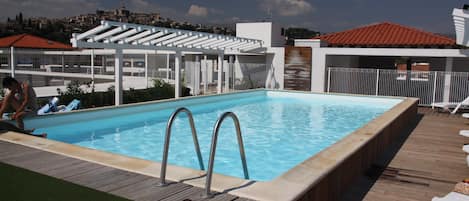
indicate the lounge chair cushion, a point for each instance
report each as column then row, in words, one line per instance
column 464, row 133
column 465, row 148
column 452, row 197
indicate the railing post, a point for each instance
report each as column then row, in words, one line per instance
column 92, row 69
column 434, row 89
column 328, row 79
column 377, row 82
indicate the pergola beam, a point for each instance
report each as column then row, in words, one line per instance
column 142, row 35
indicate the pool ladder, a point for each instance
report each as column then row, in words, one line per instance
column 164, row 162
column 213, row 147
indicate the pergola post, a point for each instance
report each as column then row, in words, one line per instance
column 167, row 67
column 236, row 66
column 205, row 74
column 228, row 73
column 118, row 77
column 197, row 75
column 92, row 69
column 177, row 79
column 220, row 72
column 146, row 70
column 12, row 61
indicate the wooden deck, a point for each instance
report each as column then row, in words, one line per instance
column 107, row 179
column 428, row 161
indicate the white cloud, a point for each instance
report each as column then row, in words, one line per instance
column 198, row 11
column 286, row 7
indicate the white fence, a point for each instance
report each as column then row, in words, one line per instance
column 428, row 86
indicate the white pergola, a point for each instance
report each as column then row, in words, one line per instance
column 120, row 36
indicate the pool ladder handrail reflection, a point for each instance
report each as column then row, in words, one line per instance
column 213, row 147
column 164, row 162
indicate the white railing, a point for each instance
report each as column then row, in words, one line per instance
column 429, row 86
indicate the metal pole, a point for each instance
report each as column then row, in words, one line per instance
column 328, row 79
column 92, row 69
column 12, row 61
column 377, row 82
column 434, row 89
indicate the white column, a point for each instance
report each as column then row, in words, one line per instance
column 205, row 74
column 92, row 69
column 236, row 68
column 177, row 69
column 220, row 71
column 167, row 67
column 12, row 61
column 197, row 75
column 146, row 70
column 448, row 70
column 118, row 77
column 228, row 73
column 318, row 70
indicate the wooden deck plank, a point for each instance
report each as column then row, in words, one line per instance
column 149, row 190
column 197, row 194
column 429, row 163
column 80, row 168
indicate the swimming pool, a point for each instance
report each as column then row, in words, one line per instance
column 280, row 129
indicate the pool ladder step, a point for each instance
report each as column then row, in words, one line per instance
column 213, row 146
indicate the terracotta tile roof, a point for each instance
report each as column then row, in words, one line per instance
column 30, row 41
column 386, row 35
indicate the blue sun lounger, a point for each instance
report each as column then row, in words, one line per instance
column 49, row 107
column 71, row 106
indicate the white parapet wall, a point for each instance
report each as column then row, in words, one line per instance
column 461, row 25
column 275, row 63
column 270, row 33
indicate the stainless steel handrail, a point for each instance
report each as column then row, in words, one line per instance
column 164, row 162
column 213, row 147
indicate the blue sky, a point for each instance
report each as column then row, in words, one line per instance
column 321, row 15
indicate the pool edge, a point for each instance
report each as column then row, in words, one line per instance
column 300, row 182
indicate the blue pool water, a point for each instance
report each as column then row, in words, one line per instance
column 280, row 129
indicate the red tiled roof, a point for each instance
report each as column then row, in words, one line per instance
column 386, row 35
column 30, row 41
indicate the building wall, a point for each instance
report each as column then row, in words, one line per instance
column 268, row 32
column 343, row 61
column 275, row 62
column 461, row 64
